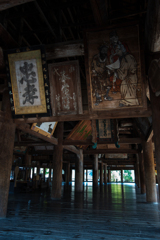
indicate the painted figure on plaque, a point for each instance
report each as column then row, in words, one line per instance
column 100, row 78
column 116, row 51
column 123, row 71
column 114, row 70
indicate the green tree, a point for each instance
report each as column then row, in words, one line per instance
column 127, row 175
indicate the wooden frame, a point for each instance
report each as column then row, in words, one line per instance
column 108, row 86
column 65, row 88
column 105, row 129
column 28, row 82
column 37, row 127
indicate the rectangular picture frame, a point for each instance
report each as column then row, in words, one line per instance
column 28, row 82
column 112, row 85
column 42, row 128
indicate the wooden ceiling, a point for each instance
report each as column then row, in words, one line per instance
column 48, row 22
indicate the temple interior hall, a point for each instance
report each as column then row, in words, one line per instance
column 79, row 119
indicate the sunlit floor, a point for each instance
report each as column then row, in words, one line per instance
column 115, row 211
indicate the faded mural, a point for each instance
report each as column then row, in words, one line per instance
column 114, row 71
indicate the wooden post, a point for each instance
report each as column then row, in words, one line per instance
column 105, row 173
column 152, row 39
column 68, row 173
column 142, row 174
column 121, row 175
column 101, row 174
column 16, row 171
column 44, row 174
column 79, row 173
column 86, row 175
column 109, row 175
column 151, row 194
column 49, row 175
column 57, row 163
column 7, row 133
column 38, row 170
column 95, row 171
column 138, row 171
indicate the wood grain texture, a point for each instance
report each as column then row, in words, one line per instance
column 87, row 116
column 65, row 84
column 64, row 50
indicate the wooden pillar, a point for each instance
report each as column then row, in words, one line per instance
column 109, row 175
column 57, row 163
column 16, row 171
column 79, row 173
column 121, row 175
column 101, row 173
column 71, row 173
column 49, row 175
column 38, row 170
column 138, row 171
column 151, row 194
column 152, row 39
column 7, row 133
column 155, row 101
column 68, row 173
column 95, row 171
column 142, row 174
column 86, row 175
column 44, row 174
column 105, row 173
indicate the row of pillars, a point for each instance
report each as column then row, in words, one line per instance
column 7, row 133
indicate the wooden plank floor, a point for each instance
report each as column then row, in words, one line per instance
column 115, row 211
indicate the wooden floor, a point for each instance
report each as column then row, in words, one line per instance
column 115, row 211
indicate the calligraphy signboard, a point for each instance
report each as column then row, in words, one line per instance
column 105, row 129
column 65, row 88
column 28, row 82
column 114, row 69
column 47, row 128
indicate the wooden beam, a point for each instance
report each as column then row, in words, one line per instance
column 7, row 38
column 64, row 50
column 96, row 13
column 45, row 19
column 26, row 128
column 121, row 168
column 30, row 144
column 52, row 140
column 5, row 4
column 72, row 149
column 102, row 151
column 86, row 116
column 89, row 142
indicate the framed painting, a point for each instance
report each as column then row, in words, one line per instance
column 28, row 82
column 47, row 128
column 114, row 69
column 65, row 88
